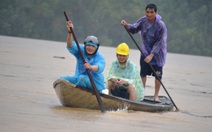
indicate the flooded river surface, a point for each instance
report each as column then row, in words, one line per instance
column 28, row 102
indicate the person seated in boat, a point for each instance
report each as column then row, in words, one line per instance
column 95, row 61
column 123, row 79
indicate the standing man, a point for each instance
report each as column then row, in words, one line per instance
column 154, row 44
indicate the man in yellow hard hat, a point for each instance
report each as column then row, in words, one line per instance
column 123, row 79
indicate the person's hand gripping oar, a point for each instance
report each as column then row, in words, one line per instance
column 151, row 68
column 88, row 70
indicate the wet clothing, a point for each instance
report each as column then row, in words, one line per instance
column 81, row 77
column 120, row 92
column 147, row 70
column 129, row 73
column 154, row 38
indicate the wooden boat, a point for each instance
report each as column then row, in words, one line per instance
column 72, row 96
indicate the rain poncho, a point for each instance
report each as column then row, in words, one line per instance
column 81, row 77
column 154, row 38
column 130, row 74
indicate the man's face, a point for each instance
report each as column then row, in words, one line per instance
column 122, row 59
column 150, row 14
column 90, row 49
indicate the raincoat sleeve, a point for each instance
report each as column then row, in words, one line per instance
column 100, row 63
column 161, row 35
column 74, row 49
column 136, row 27
column 111, row 71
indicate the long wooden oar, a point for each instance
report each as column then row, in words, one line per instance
column 151, row 68
column 88, row 70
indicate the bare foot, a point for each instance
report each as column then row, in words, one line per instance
column 157, row 100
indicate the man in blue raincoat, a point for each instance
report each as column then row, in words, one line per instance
column 94, row 61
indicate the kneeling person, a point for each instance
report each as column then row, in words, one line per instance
column 123, row 79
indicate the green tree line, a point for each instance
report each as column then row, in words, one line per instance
column 188, row 21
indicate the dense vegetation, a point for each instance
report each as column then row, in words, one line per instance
column 188, row 22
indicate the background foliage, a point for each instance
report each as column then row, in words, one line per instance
column 188, row 21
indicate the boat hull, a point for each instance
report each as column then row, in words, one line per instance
column 72, row 96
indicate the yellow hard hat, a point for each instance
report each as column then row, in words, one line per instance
column 123, row 49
